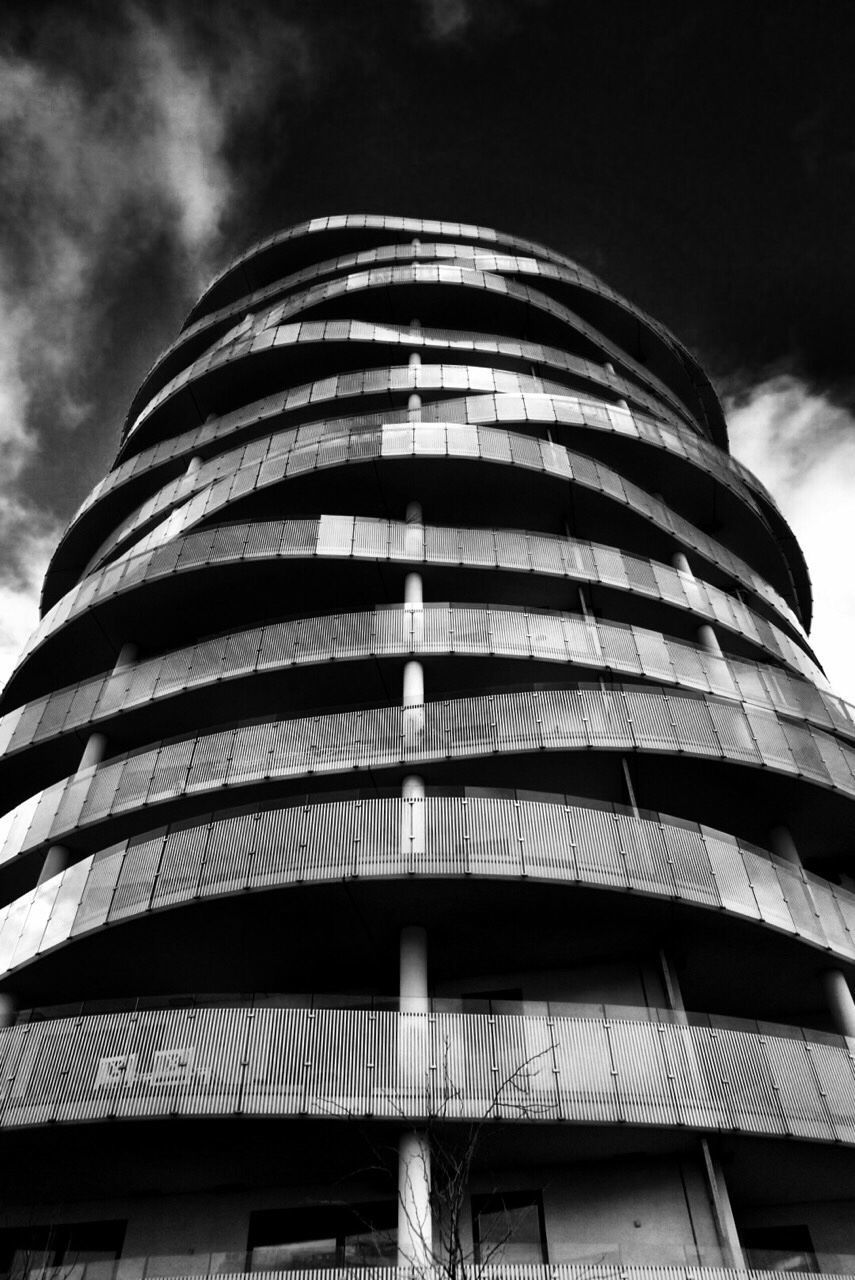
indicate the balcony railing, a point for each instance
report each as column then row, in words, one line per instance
column 341, row 1064
column 600, row 1260
column 606, row 847
column 596, row 1260
column 504, row 397
column 470, row 444
column 473, row 631
column 634, row 718
column 426, row 275
column 358, row 538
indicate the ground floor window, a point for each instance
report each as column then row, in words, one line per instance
column 353, row 1235
column 64, row 1246
column 508, row 1227
column 783, row 1248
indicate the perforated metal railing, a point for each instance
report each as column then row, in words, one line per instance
column 344, row 1063
column 635, row 718
column 208, row 329
column 433, row 629
column 343, row 537
column 431, row 340
column 545, row 406
column 388, row 277
column 472, row 444
column 597, row 1260
column 569, row 843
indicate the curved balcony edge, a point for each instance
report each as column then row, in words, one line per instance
column 607, row 847
column 353, row 1064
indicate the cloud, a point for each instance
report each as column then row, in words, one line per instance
column 115, row 134
column 446, row 19
column 802, row 446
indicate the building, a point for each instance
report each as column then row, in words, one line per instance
column 421, row 773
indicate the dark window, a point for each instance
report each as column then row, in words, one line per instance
column 508, row 1227
column 351, row 1235
column 95, row 1245
column 784, row 1248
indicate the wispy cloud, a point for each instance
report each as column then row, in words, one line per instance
column 446, row 19
column 802, row 446
column 117, row 142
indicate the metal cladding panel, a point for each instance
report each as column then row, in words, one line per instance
column 137, row 877
column 645, row 855
column 689, row 860
column 180, row 865
column 596, row 846
column 99, row 888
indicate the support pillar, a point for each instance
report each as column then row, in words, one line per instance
column 838, row 994
column 784, row 846
column 413, row 827
column 725, row 1223
column 681, row 564
column 840, row 1003
column 7, row 1009
column 93, row 752
column 127, row 656
column 56, row 860
column 709, row 640
column 414, row 974
column 415, row 1228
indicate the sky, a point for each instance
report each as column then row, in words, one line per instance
column 698, row 154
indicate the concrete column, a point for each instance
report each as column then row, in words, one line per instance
column 413, row 825
column 414, row 684
column 127, row 656
column 840, row 1002
column 630, row 789
column 784, row 846
column 415, row 1235
column 93, row 752
column 413, row 592
column 681, row 564
column 415, row 1228
column 193, row 465
column 671, row 983
column 415, row 360
column 725, row 1223
column 414, row 605
column 709, row 640
column 414, row 973
column 7, row 1009
column 56, row 860
column 413, row 715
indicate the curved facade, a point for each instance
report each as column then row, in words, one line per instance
column 427, row 823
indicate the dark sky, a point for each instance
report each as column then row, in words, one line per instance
column 699, row 155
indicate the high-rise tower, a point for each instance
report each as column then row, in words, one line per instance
column 428, row 824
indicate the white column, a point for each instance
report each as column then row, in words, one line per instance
column 840, row 1003
column 413, row 593
column 128, row 655
column 709, row 640
column 414, row 974
column 681, row 564
column 415, row 1228
column 56, row 860
column 93, row 752
column 414, row 405
column 784, row 846
column 722, row 1211
column 415, row 1231
column 413, row 822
